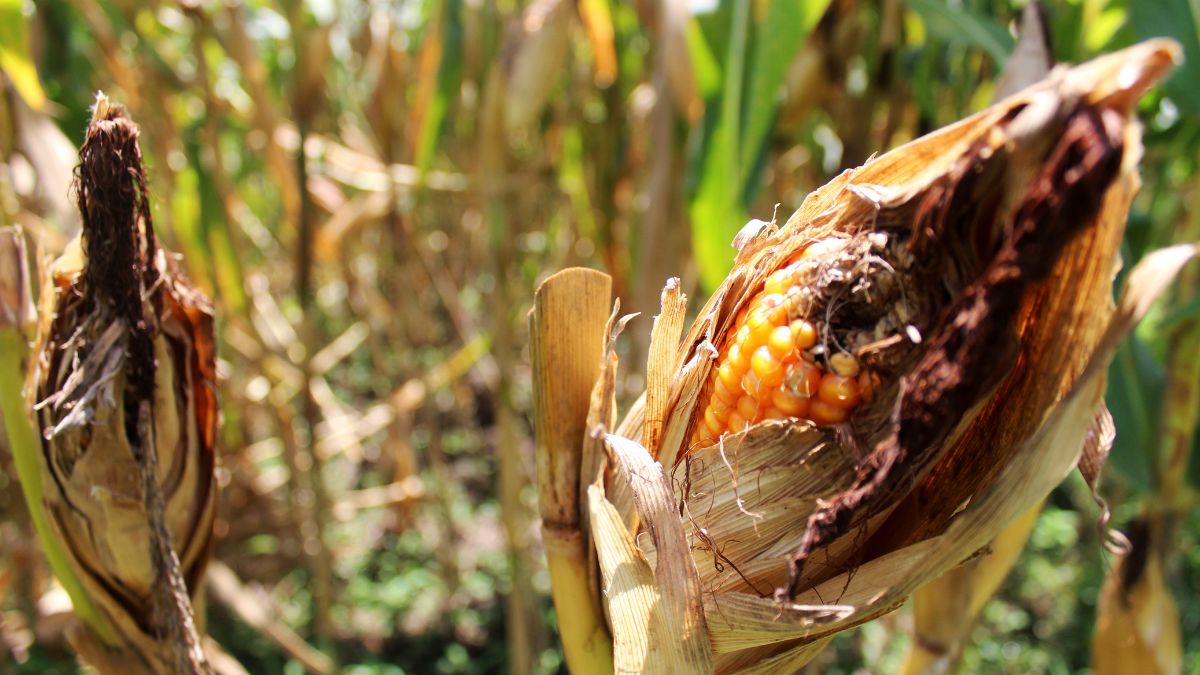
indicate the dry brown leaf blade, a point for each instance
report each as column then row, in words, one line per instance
column 1137, row 622
column 661, row 365
column 566, row 326
column 629, row 589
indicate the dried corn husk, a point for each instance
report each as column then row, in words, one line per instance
column 972, row 270
column 126, row 361
column 536, row 54
column 945, row 610
column 1137, row 623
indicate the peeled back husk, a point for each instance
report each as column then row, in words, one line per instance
column 970, row 270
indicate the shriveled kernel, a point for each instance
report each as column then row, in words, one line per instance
column 754, row 386
column 823, row 413
column 866, row 384
column 840, row 391
column 804, row 378
column 844, row 364
column 768, row 369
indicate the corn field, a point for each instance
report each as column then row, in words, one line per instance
column 822, row 336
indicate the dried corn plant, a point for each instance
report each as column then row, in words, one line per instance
column 913, row 360
column 123, row 388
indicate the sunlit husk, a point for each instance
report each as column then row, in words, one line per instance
column 91, row 478
column 747, row 501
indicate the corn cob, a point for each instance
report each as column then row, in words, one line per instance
column 776, row 365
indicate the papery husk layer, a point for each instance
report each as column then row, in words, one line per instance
column 996, row 378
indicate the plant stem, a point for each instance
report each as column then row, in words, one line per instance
column 25, row 449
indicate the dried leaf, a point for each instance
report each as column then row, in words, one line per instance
column 536, row 56
column 566, row 344
column 664, row 342
column 1137, row 622
column 680, row 608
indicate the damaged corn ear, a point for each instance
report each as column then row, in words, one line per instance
column 931, row 330
column 777, row 363
column 124, row 393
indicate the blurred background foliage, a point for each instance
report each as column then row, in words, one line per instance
column 371, row 190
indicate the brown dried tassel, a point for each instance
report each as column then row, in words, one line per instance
column 126, row 362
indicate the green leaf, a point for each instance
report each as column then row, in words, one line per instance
column 1135, row 386
column 1179, row 19
column 740, row 119
column 716, row 210
column 704, row 65
column 449, row 20
column 15, row 58
column 783, row 31
column 958, row 25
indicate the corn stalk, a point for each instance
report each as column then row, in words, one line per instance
column 566, row 328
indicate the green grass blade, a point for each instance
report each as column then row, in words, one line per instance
column 782, row 33
column 23, row 441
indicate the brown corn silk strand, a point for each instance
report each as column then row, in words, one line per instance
column 110, row 187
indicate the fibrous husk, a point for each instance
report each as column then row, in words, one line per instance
column 971, row 271
column 126, row 362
